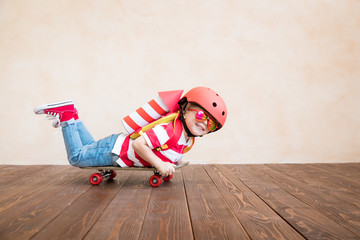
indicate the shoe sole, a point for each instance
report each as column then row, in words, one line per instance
column 40, row 109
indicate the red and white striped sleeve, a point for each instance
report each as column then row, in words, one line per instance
column 159, row 135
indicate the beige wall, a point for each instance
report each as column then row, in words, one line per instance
column 288, row 70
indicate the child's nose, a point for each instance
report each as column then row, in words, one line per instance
column 206, row 122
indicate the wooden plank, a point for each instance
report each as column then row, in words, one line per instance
column 337, row 175
column 335, row 208
column 4, row 166
column 305, row 219
column 259, row 220
column 168, row 214
column 211, row 217
column 27, row 218
column 78, row 218
column 19, row 174
column 312, row 179
column 27, row 188
column 124, row 216
column 17, row 171
column 345, row 169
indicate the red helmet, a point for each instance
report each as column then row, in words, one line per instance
column 210, row 101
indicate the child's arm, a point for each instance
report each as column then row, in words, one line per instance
column 141, row 147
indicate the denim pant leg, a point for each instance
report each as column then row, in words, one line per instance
column 85, row 136
column 93, row 154
column 72, row 140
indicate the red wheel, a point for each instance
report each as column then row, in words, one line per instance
column 96, row 178
column 113, row 174
column 168, row 178
column 155, row 180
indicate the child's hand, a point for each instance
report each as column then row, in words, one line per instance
column 140, row 146
column 166, row 169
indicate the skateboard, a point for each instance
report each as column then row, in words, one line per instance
column 109, row 173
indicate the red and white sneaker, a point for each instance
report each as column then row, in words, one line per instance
column 59, row 112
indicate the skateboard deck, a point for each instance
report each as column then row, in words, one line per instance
column 109, row 173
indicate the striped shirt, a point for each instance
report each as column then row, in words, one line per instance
column 155, row 137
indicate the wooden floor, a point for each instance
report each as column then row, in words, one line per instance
column 315, row 201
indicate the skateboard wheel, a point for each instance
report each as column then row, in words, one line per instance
column 96, row 178
column 155, row 180
column 168, row 178
column 113, row 174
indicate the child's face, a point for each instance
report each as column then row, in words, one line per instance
column 196, row 127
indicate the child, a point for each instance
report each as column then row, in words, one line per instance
column 201, row 111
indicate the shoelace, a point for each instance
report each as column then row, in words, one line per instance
column 55, row 117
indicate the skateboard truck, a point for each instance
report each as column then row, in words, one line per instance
column 97, row 178
column 156, row 179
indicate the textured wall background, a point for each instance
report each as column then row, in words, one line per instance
column 288, row 70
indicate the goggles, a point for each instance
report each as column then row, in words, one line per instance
column 202, row 117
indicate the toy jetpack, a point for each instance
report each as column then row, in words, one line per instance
column 162, row 109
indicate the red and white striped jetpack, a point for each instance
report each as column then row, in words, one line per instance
column 154, row 109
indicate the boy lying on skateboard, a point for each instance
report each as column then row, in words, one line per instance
column 200, row 111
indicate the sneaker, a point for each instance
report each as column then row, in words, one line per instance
column 59, row 112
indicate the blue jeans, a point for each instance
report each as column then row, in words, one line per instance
column 82, row 149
